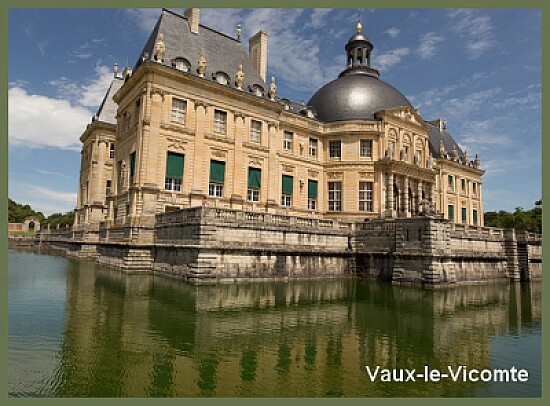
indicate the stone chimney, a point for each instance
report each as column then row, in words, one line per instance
column 257, row 50
column 193, row 16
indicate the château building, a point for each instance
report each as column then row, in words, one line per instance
column 198, row 122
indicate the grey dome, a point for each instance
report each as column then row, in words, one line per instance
column 355, row 96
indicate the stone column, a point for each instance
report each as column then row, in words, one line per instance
column 406, row 207
column 200, row 164
column 419, row 198
column 389, row 193
column 273, row 186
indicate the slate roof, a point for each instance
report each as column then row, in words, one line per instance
column 222, row 53
column 436, row 135
column 108, row 108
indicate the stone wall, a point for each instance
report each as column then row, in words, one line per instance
column 204, row 244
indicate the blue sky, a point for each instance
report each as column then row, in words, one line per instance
column 478, row 68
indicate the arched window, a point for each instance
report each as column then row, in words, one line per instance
column 181, row 64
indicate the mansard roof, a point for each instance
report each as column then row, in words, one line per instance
column 222, row 53
column 108, row 109
column 438, row 134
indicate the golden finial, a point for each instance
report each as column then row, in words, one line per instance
column 359, row 27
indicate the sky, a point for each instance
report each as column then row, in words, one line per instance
column 480, row 69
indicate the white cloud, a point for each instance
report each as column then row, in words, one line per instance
column 146, row 18
column 88, row 94
column 41, row 45
column 393, row 32
column 43, row 199
column 318, row 17
column 391, row 58
column 44, row 172
column 476, row 29
column 37, row 121
column 427, row 47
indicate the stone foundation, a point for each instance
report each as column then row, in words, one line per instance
column 205, row 245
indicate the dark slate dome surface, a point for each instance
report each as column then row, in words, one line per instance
column 355, row 97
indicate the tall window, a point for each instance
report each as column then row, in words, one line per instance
column 312, row 194
column 111, row 150
column 365, row 149
column 179, row 108
column 254, row 184
column 474, row 216
column 474, row 188
column 334, row 196
column 287, row 190
column 287, row 140
column 464, row 214
column 132, row 166
column 174, row 171
column 365, row 196
column 335, row 149
column 217, row 178
column 463, row 185
column 451, row 183
column 108, row 187
column 255, row 131
column 313, row 145
column 220, row 121
column 451, row 212
column 391, row 149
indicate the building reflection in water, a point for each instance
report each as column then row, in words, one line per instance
column 136, row 335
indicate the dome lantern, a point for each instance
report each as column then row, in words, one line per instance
column 358, row 51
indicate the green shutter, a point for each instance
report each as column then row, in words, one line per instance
column 132, row 164
column 451, row 211
column 288, row 186
column 217, row 171
column 463, row 214
column 174, row 165
column 474, row 215
column 312, row 189
column 254, row 178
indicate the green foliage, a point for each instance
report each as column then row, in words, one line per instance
column 17, row 213
column 63, row 220
column 530, row 220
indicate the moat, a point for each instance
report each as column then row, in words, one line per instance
column 79, row 329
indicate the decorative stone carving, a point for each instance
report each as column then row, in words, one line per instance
column 430, row 162
column 403, row 154
column 288, row 168
column 160, row 49
column 254, row 160
column 455, row 153
column 219, row 153
column 466, row 157
column 312, row 174
column 239, row 78
column 441, row 148
column 389, row 151
column 334, row 175
column 477, row 162
column 272, row 88
column 239, row 33
column 176, row 143
column 201, row 69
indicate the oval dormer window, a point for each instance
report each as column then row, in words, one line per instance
column 221, row 77
column 257, row 90
column 181, row 64
column 309, row 112
column 285, row 103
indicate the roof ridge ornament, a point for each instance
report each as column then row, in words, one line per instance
column 160, row 48
column 272, row 88
column 201, row 69
column 239, row 78
column 359, row 27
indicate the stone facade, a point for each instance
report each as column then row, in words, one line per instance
column 186, row 131
column 204, row 245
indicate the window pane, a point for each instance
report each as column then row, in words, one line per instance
column 174, row 165
column 288, row 186
column 254, row 178
column 312, row 189
column 217, row 171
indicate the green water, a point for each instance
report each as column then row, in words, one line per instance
column 76, row 329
